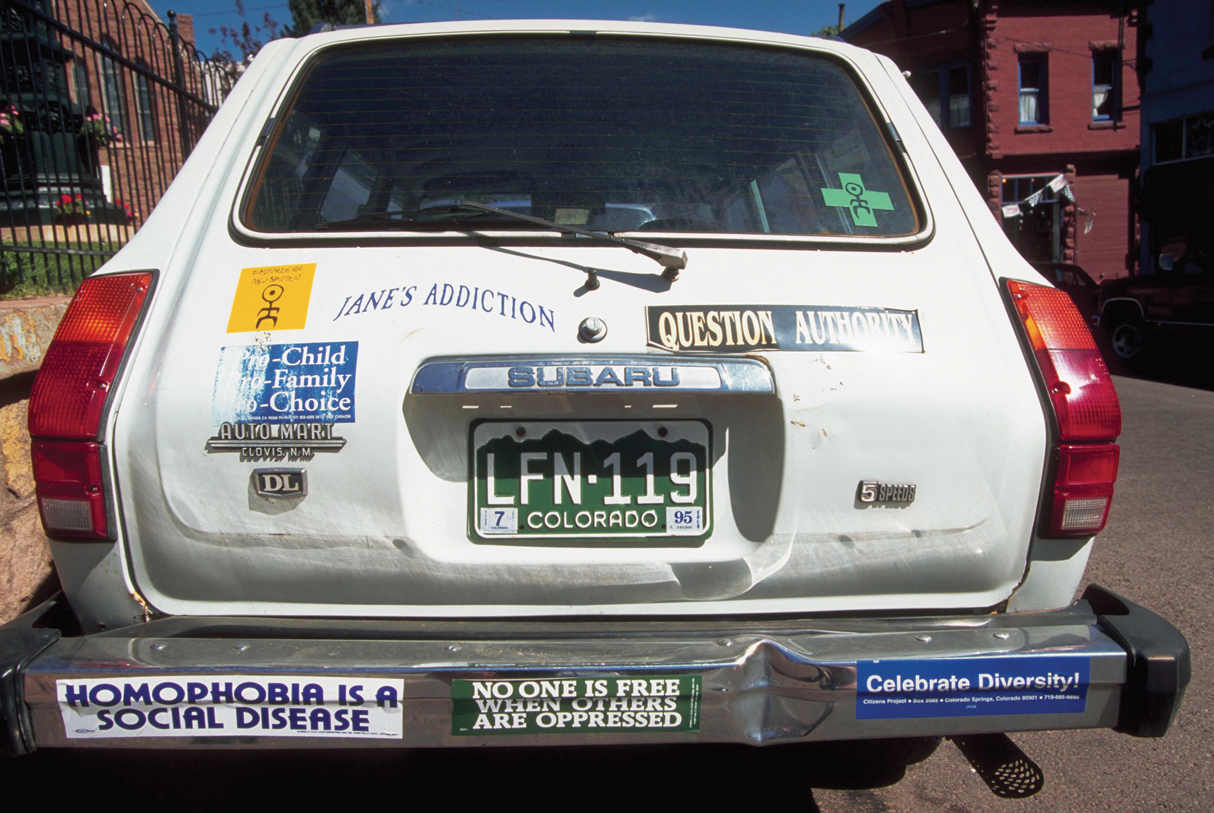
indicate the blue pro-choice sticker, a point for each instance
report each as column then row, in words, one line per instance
column 310, row 382
column 971, row 687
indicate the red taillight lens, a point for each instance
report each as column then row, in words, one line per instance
column 1084, row 403
column 1083, row 488
column 68, row 400
column 1076, row 378
column 70, row 391
column 71, row 496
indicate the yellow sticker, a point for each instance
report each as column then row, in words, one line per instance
column 272, row 298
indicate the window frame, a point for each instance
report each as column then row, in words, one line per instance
column 946, row 96
column 1113, row 90
column 145, row 108
column 83, row 95
column 1017, row 183
column 297, row 75
column 940, row 74
column 1041, row 91
column 1185, row 153
column 110, row 75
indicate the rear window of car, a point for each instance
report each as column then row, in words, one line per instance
column 612, row 134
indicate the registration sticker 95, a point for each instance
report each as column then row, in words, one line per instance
column 685, row 521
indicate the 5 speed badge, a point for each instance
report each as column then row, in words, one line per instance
column 874, row 492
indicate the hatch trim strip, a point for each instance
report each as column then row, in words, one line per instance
column 632, row 374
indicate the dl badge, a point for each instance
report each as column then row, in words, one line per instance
column 279, row 483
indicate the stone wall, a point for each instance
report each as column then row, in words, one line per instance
column 26, row 574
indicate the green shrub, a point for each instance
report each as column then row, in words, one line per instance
column 26, row 273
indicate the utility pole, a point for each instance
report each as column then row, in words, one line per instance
column 371, row 19
column 841, row 5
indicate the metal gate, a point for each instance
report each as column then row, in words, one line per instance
column 100, row 103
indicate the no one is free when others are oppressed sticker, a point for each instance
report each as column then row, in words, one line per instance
column 575, row 705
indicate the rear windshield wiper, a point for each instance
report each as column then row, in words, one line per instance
column 430, row 217
column 671, row 259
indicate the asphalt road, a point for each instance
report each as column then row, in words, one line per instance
column 1156, row 549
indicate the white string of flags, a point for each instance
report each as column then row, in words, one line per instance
column 1056, row 184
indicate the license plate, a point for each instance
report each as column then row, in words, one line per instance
column 590, row 480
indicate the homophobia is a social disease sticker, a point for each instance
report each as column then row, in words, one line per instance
column 232, row 706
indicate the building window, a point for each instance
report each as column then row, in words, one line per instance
column 958, row 79
column 1037, row 231
column 1106, row 102
column 111, row 89
column 145, row 107
column 945, row 92
column 1184, row 139
column 80, row 80
column 1034, row 98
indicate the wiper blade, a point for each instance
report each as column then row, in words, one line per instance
column 432, row 217
column 671, row 259
column 364, row 222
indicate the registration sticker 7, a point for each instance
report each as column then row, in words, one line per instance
column 499, row 521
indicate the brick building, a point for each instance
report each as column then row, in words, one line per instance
column 110, row 99
column 120, row 82
column 1040, row 101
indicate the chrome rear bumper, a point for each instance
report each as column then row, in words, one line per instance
column 741, row 681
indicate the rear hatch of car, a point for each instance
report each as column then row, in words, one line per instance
column 359, row 415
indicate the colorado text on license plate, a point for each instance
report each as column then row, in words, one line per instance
column 590, row 480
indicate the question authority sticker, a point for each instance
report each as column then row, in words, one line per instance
column 972, row 687
column 232, row 706
column 575, row 705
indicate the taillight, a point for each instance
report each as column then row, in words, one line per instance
column 1085, row 407
column 68, row 402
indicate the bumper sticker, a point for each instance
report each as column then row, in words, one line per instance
column 861, row 202
column 231, row 706
column 972, row 687
column 575, row 705
column 724, row 328
column 272, row 298
column 311, row 382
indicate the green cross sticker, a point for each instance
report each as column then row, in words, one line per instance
column 859, row 200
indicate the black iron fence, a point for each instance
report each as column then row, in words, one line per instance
column 100, row 103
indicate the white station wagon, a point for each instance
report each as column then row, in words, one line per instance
column 573, row 383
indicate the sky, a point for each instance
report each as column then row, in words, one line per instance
column 788, row 16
